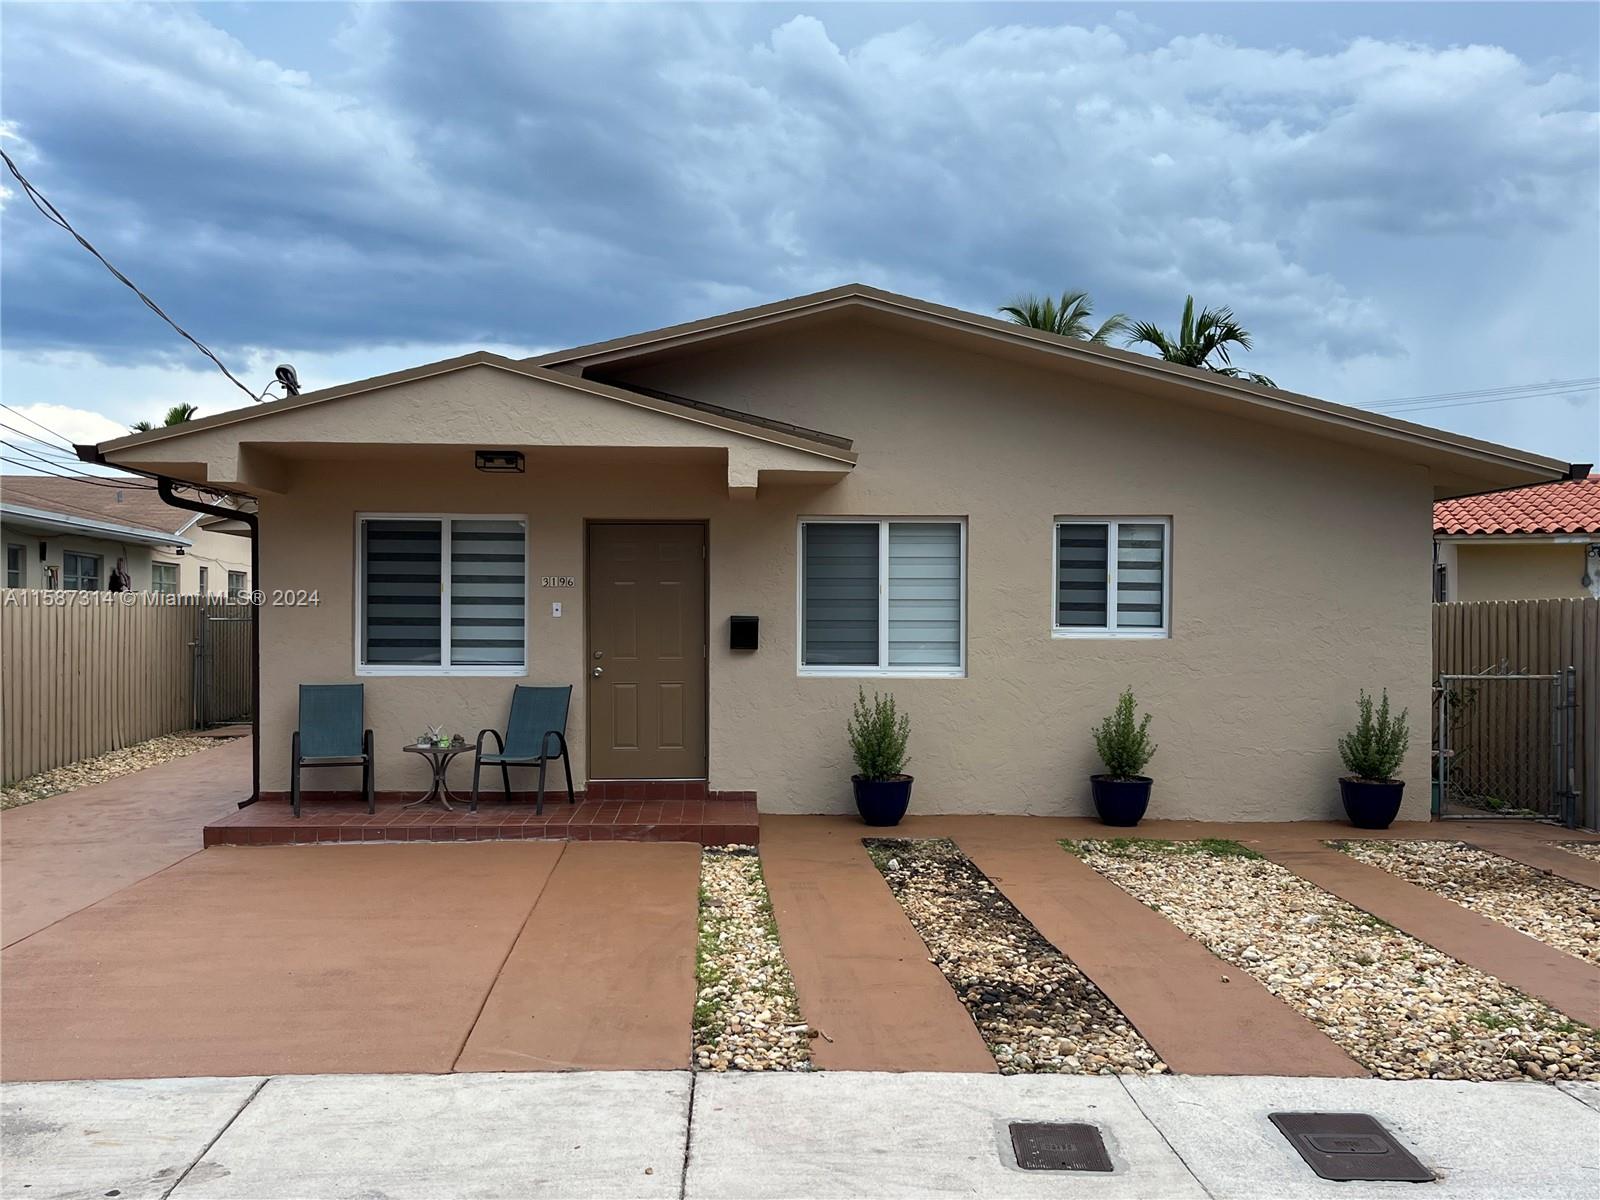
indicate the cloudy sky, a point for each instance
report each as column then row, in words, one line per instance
column 1398, row 200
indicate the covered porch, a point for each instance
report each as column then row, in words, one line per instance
column 444, row 535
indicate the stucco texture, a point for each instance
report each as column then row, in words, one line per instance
column 1509, row 570
column 1299, row 568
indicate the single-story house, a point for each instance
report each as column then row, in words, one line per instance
column 67, row 534
column 1531, row 543
column 1003, row 527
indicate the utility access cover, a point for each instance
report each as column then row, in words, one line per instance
column 1350, row 1147
column 1044, row 1147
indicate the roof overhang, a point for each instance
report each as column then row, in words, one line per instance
column 477, row 400
column 42, row 520
column 1520, row 539
column 1458, row 465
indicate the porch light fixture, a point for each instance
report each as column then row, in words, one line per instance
column 499, row 460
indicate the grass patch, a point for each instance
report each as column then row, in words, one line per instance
column 1129, row 847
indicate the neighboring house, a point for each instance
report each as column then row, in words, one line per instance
column 67, row 534
column 1003, row 527
column 1531, row 543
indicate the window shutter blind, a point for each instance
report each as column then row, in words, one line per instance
column 488, row 592
column 841, row 594
column 402, row 591
column 1081, row 576
column 1140, row 567
column 924, row 594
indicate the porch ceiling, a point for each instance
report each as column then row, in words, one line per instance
column 481, row 401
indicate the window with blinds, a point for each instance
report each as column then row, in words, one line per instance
column 1111, row 577
column 882, row 597
column 444, row 594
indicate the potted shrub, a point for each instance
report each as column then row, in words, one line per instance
column 878, row 736
column 1123, row 742
column 1372, row 753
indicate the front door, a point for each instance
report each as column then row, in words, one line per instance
column 647, row 651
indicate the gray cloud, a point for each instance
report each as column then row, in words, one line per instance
column 545, row 174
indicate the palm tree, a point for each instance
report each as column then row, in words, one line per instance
column 1199, row 340
column 1069, row 318
column 176, row 415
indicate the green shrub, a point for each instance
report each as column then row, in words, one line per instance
column 1123, row 741
column 1378, row 744
column 878, row 736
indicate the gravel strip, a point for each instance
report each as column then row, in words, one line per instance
column 104, row 767
column 745, row 1014
column 1399, row 1007
column 1582, row 849
column 1038, row 1013
column 1557, row 911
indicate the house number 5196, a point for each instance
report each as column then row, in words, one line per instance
column 557, row 581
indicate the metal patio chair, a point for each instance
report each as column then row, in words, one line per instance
column 536, row 732
column 331, row 735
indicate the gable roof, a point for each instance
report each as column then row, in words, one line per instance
column 1461, row 464
column 1572, row 507
column 121, row 501
column 827, row 445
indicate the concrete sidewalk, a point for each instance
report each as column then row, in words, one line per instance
column 673, row 1135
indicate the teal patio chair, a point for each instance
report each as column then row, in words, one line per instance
column 535, row 733
column 331, row 735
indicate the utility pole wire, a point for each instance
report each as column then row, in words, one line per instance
column 60, row 437
column 53, row 214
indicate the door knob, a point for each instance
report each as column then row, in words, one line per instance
column 599, row 671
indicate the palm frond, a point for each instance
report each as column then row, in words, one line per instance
column 1115, row 325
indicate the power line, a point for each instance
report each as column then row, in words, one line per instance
column 39, row 441
column 53, row 214
column 98, row 481
column 1509, row 387
column 61, row 437
column 1525, row 391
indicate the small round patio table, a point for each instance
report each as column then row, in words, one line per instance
column 439, row 759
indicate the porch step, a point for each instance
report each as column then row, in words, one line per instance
column 271, row 822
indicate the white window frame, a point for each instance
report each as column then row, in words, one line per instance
column 444, row 668
column 1110, row 629
column 22, row 564
column 177, row 576
column 881, row 671
column 241, row 594
column 99, row 570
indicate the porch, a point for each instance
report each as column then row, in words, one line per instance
column 653, row 812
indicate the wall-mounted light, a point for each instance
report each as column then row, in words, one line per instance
column 499, row 460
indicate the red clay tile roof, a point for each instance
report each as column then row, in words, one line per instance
column 1549, row 508
column 135, row 505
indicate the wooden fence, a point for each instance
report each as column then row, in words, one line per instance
column 82, row 673
column 1507, row 723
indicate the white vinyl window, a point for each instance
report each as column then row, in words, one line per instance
column 80, row 572
column 1111, row 577
column 164, row 578
column 237, row 588
column 883, row 597
column 442, row 595
column 16, row 566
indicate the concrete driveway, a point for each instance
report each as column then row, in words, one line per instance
column 64, row 853
column 365, row 958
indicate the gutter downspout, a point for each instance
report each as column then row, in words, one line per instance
column 164, row 486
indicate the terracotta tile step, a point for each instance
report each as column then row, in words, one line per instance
column 707, row 822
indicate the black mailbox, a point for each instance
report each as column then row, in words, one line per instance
column 743, row 633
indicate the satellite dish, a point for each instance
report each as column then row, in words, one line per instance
column 286, row 376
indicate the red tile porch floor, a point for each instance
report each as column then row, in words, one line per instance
column 711, row 822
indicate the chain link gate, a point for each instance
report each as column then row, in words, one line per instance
column 1503, row 746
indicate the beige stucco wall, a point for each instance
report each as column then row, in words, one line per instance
column 1299, row 577
column 137, row 557
column 1517, row 571
column 219, row 553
